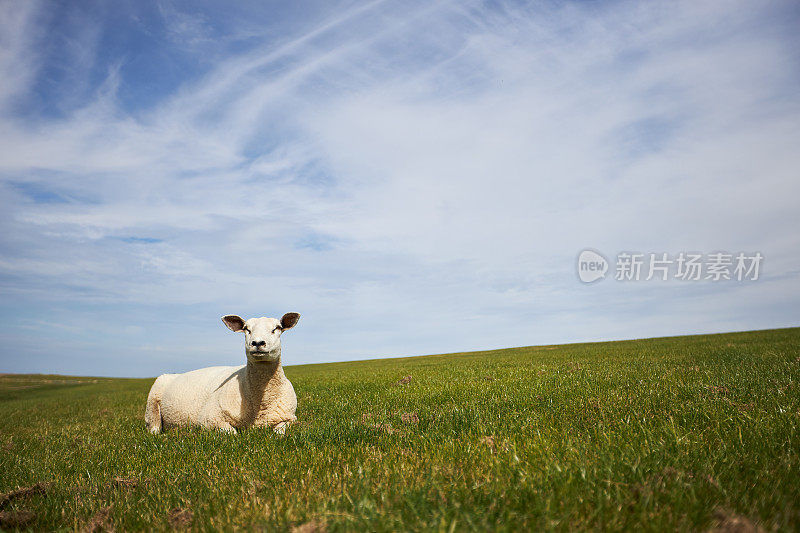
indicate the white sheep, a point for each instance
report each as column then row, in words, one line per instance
column 230, row 397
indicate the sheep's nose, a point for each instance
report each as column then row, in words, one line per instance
column 259, row 343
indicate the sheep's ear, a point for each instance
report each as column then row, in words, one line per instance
column 234, row 322
column 289, row 320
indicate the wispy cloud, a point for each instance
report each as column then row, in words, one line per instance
column 17, row 58
column 412, row 178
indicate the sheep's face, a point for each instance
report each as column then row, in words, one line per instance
column 262, row 336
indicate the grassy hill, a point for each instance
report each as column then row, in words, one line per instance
column 686, row 433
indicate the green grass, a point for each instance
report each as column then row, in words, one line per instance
column 650, row 434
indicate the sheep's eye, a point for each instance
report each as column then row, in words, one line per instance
column 246, row 330
column 277, row 328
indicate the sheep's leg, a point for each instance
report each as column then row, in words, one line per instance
column 152, row 413
column 281, row 428
column 220, row 423
column 227, row 428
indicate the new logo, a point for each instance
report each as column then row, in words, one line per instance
column 591, row 266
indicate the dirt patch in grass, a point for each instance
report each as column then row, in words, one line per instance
column 23, row 492
column 409, row 418
column 122, row 483
column 101, row 521
column 310, row 527
column 494, row 444
column 14, row 519
column 180, row 518
column 728, row 522
column 404, row 381
column 383, row 428
column 745, row 407
column 718, row 390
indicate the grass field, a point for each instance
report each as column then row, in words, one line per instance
column 686, row 433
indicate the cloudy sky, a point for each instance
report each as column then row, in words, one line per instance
column 412, row 178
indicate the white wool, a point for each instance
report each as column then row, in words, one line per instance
column 230, row 397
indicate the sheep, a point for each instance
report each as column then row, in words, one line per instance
column 229, row 398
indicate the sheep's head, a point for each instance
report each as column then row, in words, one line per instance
column 262, row 336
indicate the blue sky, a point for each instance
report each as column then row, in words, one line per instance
column 412, row 178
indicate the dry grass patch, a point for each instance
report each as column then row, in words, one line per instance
column 180, row 518
column 16, row 519
column 409, row 418
column 729, row 522
column 404, row 381
column 101, row 521
column 23, row 492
